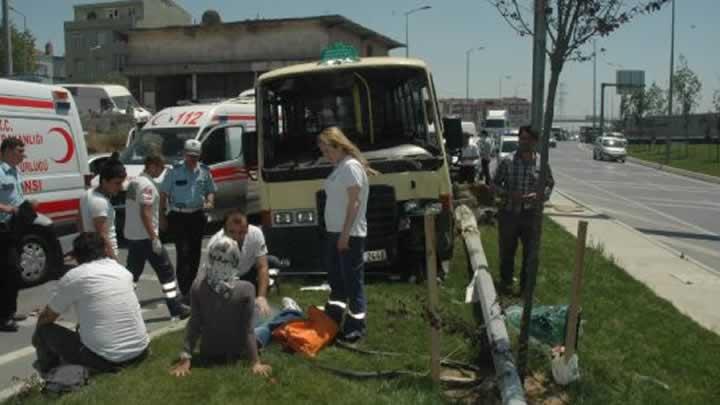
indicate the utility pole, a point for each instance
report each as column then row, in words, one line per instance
column 594, row 83
column 8, row 39
column 538, row 93
column 467, row 70
column 670, row 87
column 407, row 31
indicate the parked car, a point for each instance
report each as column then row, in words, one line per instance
column 508, row 145
column 610, row 148
column 553, row 142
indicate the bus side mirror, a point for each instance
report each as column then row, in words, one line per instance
column 250, row 149
column 453, row 133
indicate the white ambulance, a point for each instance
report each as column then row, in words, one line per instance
column 55, row 171
column 220, row 127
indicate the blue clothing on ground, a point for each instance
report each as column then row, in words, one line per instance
column 263, row 332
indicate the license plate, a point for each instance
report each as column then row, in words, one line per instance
column 372, row 256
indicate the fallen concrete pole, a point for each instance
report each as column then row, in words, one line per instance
column 481, row 289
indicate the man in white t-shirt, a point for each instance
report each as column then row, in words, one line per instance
column 96, row 211
column 142, row 206
column 111, row 333
column 252, row 264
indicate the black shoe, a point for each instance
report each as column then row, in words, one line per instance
column 8, row 325
column 178, row 309
column 351, row 338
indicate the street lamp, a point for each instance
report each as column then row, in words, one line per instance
column 467, row 70
column 407, row 39
column 500, row 83
column 519, row 86
column 594, row 92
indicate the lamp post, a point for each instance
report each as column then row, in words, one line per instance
column 595, row 81
column 467, row 70
column 500, row 84
column 672, row 71
column 519, row 86
column 407, row 39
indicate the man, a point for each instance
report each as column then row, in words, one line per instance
column 187, row 189
column 468, row 157
column 97, row 213
column 111, row 333
column 252, row 265
column 223, row 309
column 12, row 153
column 515, row 182
column 142, row 209
column 485, row 147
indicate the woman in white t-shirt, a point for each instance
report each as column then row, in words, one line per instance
column 346, row 190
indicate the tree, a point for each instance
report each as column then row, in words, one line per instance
column 23, row 44
column 716, row 104
column 686, row 88
column 644, row 102
column 570, row 25
column 656, row 100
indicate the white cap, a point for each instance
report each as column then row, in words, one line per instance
column 193, row 147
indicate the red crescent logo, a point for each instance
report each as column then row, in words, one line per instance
column 68, row 140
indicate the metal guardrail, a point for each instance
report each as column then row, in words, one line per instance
column 482, row 289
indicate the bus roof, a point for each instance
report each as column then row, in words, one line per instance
column 317, row 67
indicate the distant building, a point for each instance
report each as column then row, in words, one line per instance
column 96, row 41
column 48, row 67
column 218, row 60
column 475, row 109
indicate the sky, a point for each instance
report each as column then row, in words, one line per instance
column 442, row 35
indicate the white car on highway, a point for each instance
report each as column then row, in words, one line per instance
column 610, row 148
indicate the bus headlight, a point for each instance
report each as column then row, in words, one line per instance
column 305, row 217
column 283, row 218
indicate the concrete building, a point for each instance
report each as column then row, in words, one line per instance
column 218, row 60
column 49, row 68
column 475, row 109
column 96, row 41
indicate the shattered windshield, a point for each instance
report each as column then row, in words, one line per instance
column 385, row 111
column 167, row 142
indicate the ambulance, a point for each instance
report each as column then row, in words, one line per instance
column 55, row 171
column 220, row 127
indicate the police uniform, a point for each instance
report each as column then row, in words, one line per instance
column 186, row 192
column 10, row 194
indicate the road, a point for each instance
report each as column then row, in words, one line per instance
column 16, row 353
column 680, row 212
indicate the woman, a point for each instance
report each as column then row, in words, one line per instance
column 346, row 190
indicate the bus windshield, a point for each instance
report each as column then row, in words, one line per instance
column 385, row 111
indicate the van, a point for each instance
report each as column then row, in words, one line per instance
column 220, row 127
column 55, row 171
column 107, row 98
column 387, row 106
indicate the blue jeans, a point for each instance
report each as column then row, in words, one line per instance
column 346, row 276
column 263, row 332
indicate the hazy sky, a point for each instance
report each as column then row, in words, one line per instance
column 442, row 34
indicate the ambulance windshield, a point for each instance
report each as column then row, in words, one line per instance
column 167, row 142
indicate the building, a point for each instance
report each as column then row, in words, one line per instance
column 96, row 41
column 475, row 109
column 49, row 68
column 215, row 60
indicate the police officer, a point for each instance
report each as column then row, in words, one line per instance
column 12, row 152
column 187, row 191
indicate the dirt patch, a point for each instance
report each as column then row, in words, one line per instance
column 541, row 390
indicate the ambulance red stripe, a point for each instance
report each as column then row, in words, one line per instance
column 26, row 102
column 58, row 206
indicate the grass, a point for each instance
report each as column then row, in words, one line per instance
column 633, row 342
column 630, row 335
column 396, row 324
column 701, row 158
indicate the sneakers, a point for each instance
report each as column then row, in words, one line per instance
column 290, row 304
column 8, row 325
column 18, row 317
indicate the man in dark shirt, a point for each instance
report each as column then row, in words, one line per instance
column 515, row 182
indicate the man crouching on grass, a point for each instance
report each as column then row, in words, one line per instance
column 111, row 333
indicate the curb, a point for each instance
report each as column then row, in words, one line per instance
column 654, row 241
column 674, row 170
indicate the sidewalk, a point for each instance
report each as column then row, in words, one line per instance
column 693, row 289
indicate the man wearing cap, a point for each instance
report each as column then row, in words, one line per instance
column 186, row 191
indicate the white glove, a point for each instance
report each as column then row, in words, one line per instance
column 157, row 246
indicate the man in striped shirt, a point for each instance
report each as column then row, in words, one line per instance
column 515, row 182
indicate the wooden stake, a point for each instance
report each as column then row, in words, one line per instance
column 571, row 332
column 431, row 258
